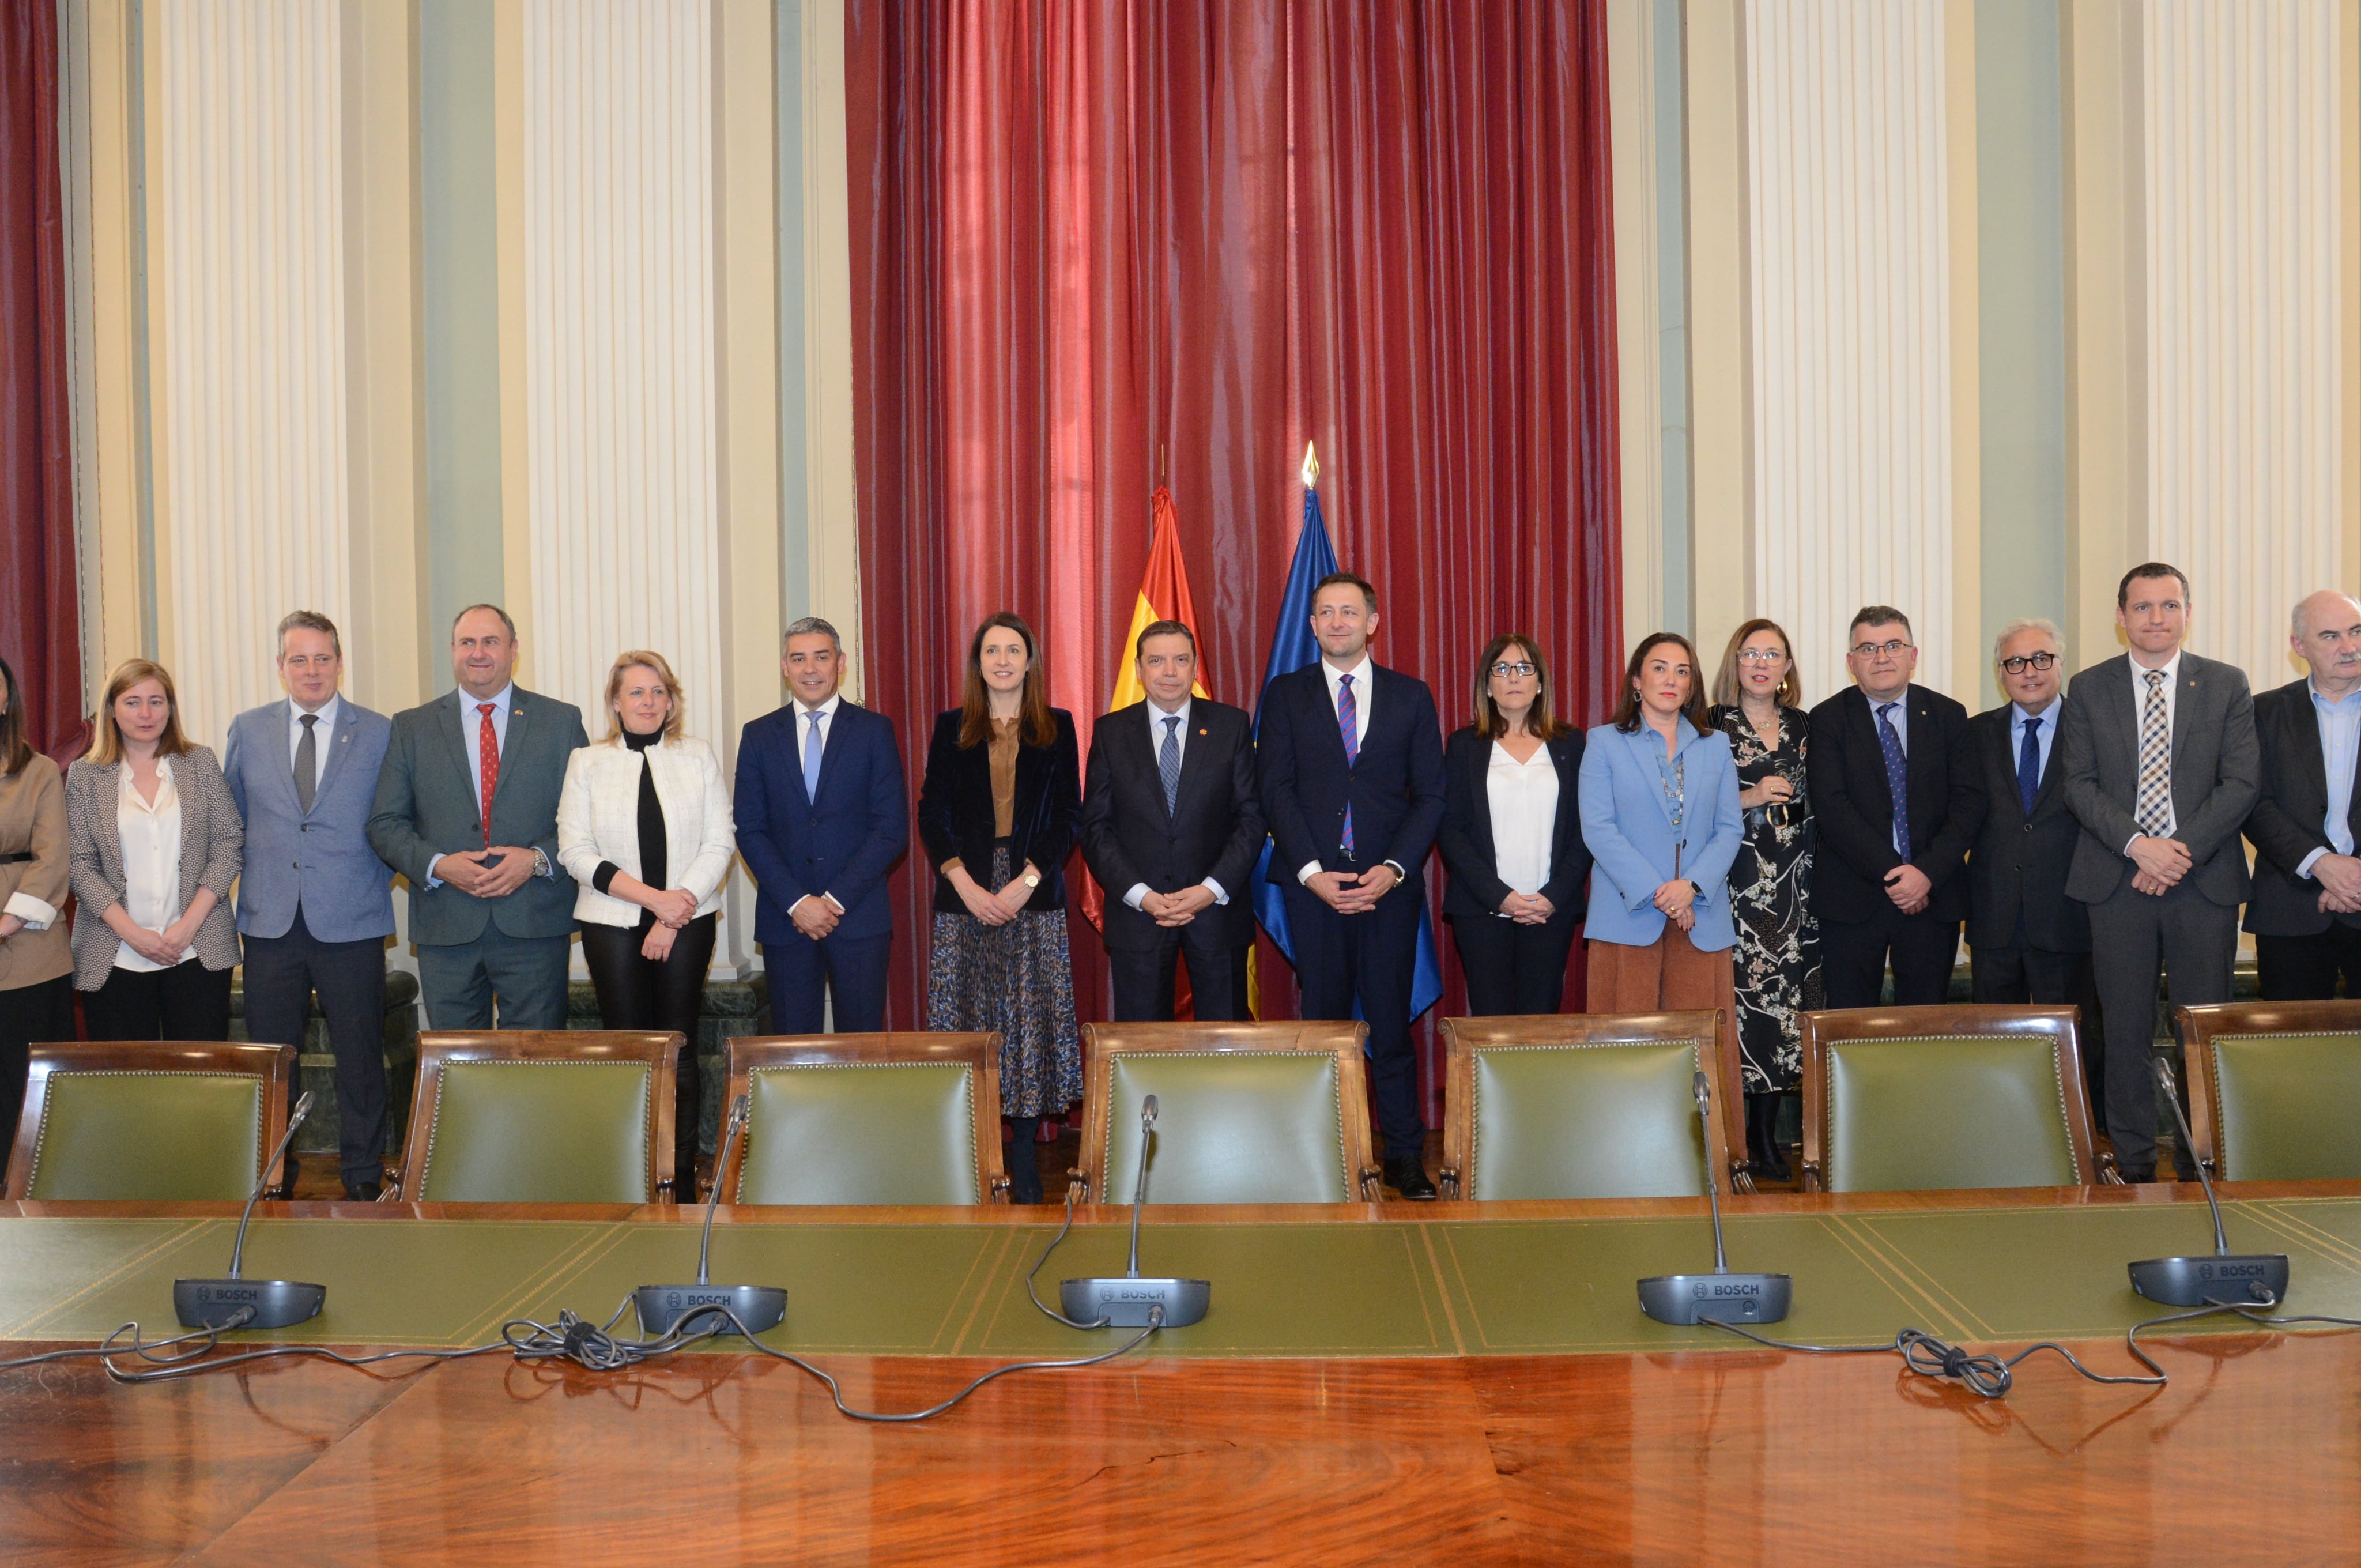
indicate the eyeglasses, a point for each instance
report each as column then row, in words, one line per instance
column 1870, row 650
column 2024, row 662
column 1762, row 657
column 1512, row 672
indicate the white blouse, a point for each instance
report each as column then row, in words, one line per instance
column 1523, row 797
column 151, row 860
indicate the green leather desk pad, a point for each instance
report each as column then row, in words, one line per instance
column 1454, row 1284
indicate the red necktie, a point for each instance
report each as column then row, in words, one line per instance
column 487, row 765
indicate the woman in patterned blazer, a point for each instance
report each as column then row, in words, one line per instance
column 155, row 843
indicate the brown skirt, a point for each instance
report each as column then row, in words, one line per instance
column 1669, row 975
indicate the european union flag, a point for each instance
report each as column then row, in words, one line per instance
column 1292, row 646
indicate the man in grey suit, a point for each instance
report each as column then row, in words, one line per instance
column 314, row 903
column 2161, row 769
column 466, row 809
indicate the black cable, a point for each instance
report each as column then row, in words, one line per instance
column 143, row 1348
column 1989, row 1376
column 1046, row 1309
column 190, row 1366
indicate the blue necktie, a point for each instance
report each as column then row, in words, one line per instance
column 1897, row 777
column 1168, row 764
column 2028, row 765
column 811, row 758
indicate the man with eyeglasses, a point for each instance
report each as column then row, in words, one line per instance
column 2306, row 909
column 2162, row 767
column 2027, row 941
column 1897, row 799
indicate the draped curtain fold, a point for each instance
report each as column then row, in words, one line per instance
column 40, row 626
column 1096, row 244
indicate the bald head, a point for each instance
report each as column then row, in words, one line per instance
column 2326, row 633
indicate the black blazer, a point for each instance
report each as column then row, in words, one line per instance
column 2019, row 864
column 955, row 810
column 1395, row 785
column 1129, row 838
column 1476, row 889
column 2287, row 822
column 1852, row 809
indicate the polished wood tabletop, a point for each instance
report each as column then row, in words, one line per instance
column 2253, row 1452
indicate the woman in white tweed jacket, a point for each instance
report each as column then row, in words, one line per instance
column 154, row 842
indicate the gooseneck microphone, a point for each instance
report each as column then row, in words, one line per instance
column 757, row 1307
column 2226, row 1278
column 1131, row 1301
column 239, row 1303
column 1721, row 1296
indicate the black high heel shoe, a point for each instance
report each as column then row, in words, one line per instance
column 1762, row 1156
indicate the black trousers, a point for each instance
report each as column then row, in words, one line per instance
column 636, row 992
column 30, row 1016
column 1144, row 981
column 187, row 1002
column 281, row 974
column 2305, row 968
column 2023, row 974
column 806, row 975
column 1513, row 969
column 1853, row 956
column 1341, row 960
column 2133, row 935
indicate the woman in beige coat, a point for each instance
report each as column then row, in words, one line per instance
column 36, row 966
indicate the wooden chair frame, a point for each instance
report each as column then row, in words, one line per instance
column 275, row 1065
column 906, row 1048
column 2202, row 1026
column 438, row 1049
column 1102, row 1043
column 1463, row 1038
column 2061, row 1027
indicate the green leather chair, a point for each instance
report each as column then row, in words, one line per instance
column 539, row 1116
column 1581, row 1106
column 1925, row 1098
column 2275, row 1089
column 149, row 1120
column 867, row 1119
column 1271, row 1112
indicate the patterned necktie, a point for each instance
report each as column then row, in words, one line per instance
column 2028, row 765
column 811, row 757
column 1348, row 724
column 1897, row 777
column 307, row 763
column 1168, row 764
column 487, row 765
column 2154, row 812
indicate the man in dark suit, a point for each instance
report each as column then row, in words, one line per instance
column 2306, row 909
column 823, row 813
column 1171, row 830
column 1350, row 759
column 2161, row 771
column 1897, row 798
column 466, row 809
column 2028, row 941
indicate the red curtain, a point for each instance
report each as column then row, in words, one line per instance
column 40, row 627
column 1094, row 243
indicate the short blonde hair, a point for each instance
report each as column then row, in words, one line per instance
column 637, row 659
column 106, row 736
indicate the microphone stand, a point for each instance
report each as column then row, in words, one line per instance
column 1721, row 1296
column 1132, row 1301
column 235, row 1301
column 663, row 1308
column 2226, row 1278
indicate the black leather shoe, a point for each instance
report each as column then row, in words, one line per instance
column 364, row 1192
column 1408, row 1178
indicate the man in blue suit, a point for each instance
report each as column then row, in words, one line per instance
column 1350, row 758
column 823, row 813
column 314, row 903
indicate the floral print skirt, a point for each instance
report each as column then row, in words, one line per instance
column 1019, row 980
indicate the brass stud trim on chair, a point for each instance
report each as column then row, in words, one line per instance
column 50, row 1103
column 434, row 1123
column 1353, row 1190
column 967, row 1122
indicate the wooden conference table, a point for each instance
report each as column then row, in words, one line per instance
column 1399, row 1383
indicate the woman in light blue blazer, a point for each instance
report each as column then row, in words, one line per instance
column 1660, row 813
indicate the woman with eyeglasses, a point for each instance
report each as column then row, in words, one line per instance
column 1511, row 836
column 1758, row 703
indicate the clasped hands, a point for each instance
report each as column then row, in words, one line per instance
column 1349, row 894
column 2160, row 863
column 1678, row 901
column 1909, row 888
column 992, row 909
column 1528, row 908
column 2340, row 884
column 1172, row 910
column 674, row 908
column 487, row 874
column 163, row 947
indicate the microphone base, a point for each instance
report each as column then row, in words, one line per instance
column 274, row 1303
column 1687, row 1298
column 2196, row 1281
column 662, row 1307
column 1125, row 1303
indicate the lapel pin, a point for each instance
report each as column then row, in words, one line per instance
column 1204, row 732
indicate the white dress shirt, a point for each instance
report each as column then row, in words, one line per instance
column 1157, row 729
column 2170, row 670
column 151, row 860
column 1523, row 797
column 324, row 729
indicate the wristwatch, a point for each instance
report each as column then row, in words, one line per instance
column 1032, row 879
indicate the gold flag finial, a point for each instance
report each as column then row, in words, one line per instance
column 1310, row 467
